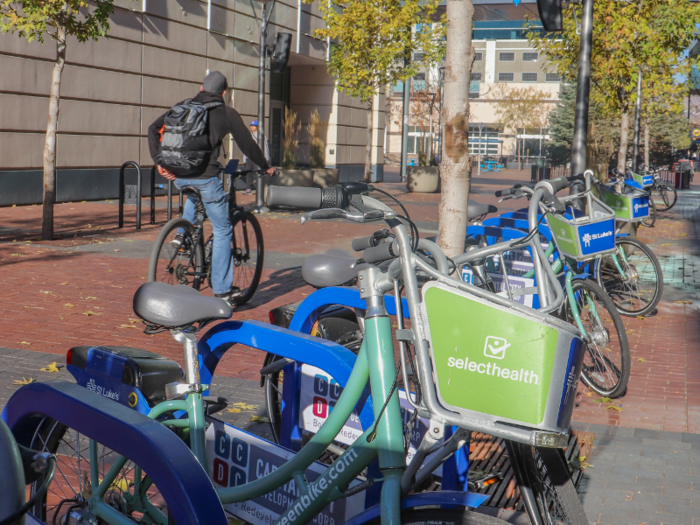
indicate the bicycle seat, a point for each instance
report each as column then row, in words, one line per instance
column 177, row 306
column 331, row 268
column 476, row 209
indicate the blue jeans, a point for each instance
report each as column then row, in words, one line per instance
column 216, row 204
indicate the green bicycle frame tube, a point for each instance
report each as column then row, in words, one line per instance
column 573, row 304
column 556, row 266
column 617, row 263
column 315, row 447
column 195, row 411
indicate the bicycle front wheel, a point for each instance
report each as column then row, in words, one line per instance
column 651, row 219
column 545, row 485
column 606, row 362
column 176, row 257
column 248, row 254
column 665, row 197
column 131, row 494
column 640, row 290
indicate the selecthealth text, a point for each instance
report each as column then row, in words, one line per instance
column 491, row 369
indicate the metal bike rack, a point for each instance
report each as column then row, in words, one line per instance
column 139, row 194
column 122, row 192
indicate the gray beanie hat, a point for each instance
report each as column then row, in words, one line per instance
column 215, row 82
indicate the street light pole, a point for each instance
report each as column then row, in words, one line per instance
column 404, row 129
column 478, row 169
column 637, row 117
column 260, row 207
column 579, row 148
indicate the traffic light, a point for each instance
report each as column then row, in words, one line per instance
column 550, row 14
column 280, row 56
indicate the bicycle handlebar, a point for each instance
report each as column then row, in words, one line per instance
column 307, row 198
column 362, row 243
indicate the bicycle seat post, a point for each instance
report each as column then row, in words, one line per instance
column 189, row 343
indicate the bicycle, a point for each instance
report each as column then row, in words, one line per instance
column 540, row 427
column 667, row 193
column 181, row 255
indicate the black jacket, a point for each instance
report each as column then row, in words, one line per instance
column 222, row 121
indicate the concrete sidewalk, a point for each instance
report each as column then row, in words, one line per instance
column 78, row 290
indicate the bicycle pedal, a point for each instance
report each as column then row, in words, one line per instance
column 214, row 404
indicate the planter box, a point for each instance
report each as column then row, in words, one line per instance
column 325, row 178
column 423, row 179
column 304, row 178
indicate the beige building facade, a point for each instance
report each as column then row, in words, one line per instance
column 156, row 54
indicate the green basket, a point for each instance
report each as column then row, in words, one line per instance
column 585, row 237
column 501, row 365
column 630, row 206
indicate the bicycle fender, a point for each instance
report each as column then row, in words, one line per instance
column 311, row 307
column 334, row 359
column 446, row 497
column 185, row 485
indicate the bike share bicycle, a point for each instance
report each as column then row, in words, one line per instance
column 182, row 254
column 545, row 359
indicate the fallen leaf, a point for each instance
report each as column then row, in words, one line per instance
column 23, row 381
column 15, row 255
column 629, row 331
column 682, row 234
column 259, row 419
column 90, row 312
column 245, row 406
column 90, row 298
column 683, row 302
column 63, row 284
column 68, row 305
column 641, row 317
column 51, row 369
column 642, row 360
column 666, row 244
column 613, row 407
column 127, row 326
column 26, row 343
column 234, row 410
column 132, row 321
column 48, row 292
column 116, row 250
column 35, row 307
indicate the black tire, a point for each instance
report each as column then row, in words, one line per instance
column 543, row 473
column 177, row 265
column 640, row 294
column 651, row 219
column 667, row 197
column 72, row 478
column 248, row 252
column 606, row 362
column 444, row 517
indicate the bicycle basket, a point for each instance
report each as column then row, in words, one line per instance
column 587, row 236
column 644, row 180
column 501, row 365
column 630, row 206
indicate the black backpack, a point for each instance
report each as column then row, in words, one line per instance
column 184, row 138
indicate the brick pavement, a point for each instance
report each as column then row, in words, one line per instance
column 78, row 290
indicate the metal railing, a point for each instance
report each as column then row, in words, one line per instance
column 139, row 194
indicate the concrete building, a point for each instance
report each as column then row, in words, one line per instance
column 504, row 61
column 156, row 54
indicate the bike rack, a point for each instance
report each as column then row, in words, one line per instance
column 139, row 194
column 185, row 485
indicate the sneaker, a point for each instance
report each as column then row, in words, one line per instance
column 230, row 297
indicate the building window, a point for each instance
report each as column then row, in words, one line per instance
column 476, row 77
column 506, row 57
column 552, row 77
column 505, row 77
column 478, row 56
column 529, row 77
column 419, row 76
column 530, row 57
column 418, row 57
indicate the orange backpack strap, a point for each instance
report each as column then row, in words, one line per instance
column 161, row 131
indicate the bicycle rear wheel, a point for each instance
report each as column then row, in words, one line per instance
column 651, row 219
column 606, row 362
column 667, row 197
column 545, row 485
column 641, row 289
column 132, row 494
column 177, row 258
column 248, row 252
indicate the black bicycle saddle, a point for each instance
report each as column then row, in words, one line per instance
column 476, row 209
column 331, row 268
column 177, row 306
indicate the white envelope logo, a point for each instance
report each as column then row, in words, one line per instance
column 495, row 347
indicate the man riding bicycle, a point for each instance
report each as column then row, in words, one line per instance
column 185, row 143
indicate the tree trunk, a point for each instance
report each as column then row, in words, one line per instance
column 454, row 167
column 50, row 143
column 368, row 157
column 624, row 139
column 646, row 144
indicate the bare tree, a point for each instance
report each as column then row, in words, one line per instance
column 454, row 167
